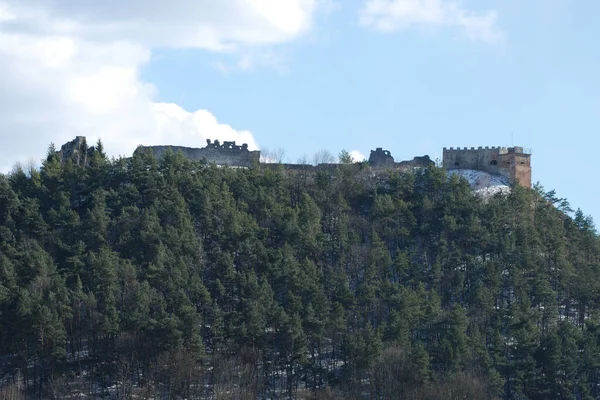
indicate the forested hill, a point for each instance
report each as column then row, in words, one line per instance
column 177, row 279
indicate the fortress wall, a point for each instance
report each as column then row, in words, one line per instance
column 380, row 158
column 417, row 162
column 289, row 167
column 403, row 166
column 517, row 166
column 482, row 159
column 231, row 157
column 523, row 175
column 302, row 167
column 510, row 162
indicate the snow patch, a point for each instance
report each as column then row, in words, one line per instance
column 483, row 184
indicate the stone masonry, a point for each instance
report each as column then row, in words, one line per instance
column 227, row 153
column 380, row 158
column 511, row 162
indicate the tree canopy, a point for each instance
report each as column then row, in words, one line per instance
column 182, row 279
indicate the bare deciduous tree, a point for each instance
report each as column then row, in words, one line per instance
column 303, row 160
column 272, row 156
column 323, row 156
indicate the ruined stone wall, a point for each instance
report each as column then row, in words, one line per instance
column 380, row 157
column 232, row 155
column 403, row 166
column 302, row 167
column 226, row 154
column 512, row 162
column 416, row 162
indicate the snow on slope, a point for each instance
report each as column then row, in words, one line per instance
column 482, row 183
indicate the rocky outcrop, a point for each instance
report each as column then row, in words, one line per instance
column 77, row 151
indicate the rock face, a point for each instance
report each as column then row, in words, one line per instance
column 77, row 151
column 227, row 153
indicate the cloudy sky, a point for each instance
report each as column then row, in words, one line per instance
column 411, row 76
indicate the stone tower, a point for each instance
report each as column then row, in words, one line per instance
column 511, row 162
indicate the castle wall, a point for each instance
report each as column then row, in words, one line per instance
column 402, row 166
column 523, row 171
column 509, row 162
column 512, row 162
column 381, row 158
column 518, row 166
column 220, row 156
column 481, row 159
column 416, row 162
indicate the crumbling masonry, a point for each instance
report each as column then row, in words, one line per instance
column 513, row 162
column 227, row 153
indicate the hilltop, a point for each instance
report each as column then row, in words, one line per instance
column 496, row 165
column 168, row 277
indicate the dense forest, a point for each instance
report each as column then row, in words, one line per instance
column 139, row 278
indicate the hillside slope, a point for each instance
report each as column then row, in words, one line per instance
column 176, row 279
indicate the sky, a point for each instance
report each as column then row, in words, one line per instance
column 411, row 76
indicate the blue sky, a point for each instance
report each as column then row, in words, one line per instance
column 414, row 91
column 411, row 76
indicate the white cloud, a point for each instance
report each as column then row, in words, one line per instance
column 209, row 24
column 72, row 67
column 357, row 156
column 249, row 61
column 394, row 15
column 182, row 126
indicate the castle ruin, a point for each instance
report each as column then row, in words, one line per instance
column 511, row 162
column 380, row 158
column 233, row 155
column 227, row 153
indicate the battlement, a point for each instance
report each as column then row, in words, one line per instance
column 511, row 162
column 500, row 150
column 452, row 149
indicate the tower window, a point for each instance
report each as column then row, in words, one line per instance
column 493, row 162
